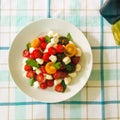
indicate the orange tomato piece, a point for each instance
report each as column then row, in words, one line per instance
column 35, row 43
column 70, row 50
column 50, row 68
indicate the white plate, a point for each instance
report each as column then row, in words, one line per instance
column 39, row 28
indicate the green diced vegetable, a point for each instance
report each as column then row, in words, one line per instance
column 32, row 81
column 47, row 39
column 28, row 46
column 69, row 37
column 57, row 65
column 32, row 63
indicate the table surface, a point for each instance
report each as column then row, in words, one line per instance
column 99, row 99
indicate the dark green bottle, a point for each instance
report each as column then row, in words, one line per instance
column 111, row 12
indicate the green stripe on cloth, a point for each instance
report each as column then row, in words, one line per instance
column 95, row 75
column 110, row 74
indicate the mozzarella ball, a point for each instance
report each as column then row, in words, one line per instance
column 57, row 81
column 78, row 67
column 67, row 80
column 40, row 61
column 73, row 74
column 53, row 58
column 49, row 77
column 36, row 84
column 66, row 60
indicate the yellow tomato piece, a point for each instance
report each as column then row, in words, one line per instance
column 35, row 43
column 70, row 50
column 50, row 68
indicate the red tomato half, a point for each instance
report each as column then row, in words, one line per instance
column 26, row 53
column 59, row 88
column 27, row 68
column 40, row 77
column 50, row 83
column 30, row 74
column 36, row 54
column 43, row 85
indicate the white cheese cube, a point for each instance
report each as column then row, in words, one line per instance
column 78, row 67
column 40, row 61
column 54, row 40
column 73, row 74
column 79, row 52
column 66, row 60
column 56, row 35
column 31, row 49
column 36, row 84
column 37, row 71
column 71, row 42
column 50, row 44
column 51, row 33
column 67, row 80
column 53, row 58
column 34, row 68
column 49, row 77
column 57, row 81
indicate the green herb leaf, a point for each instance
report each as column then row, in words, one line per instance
column 64, row 85
column 32, row 81
column 69, row 37
column 32, row 63
column 68, row 67
column 47, row 39
column 28, row 46
column 57, row 65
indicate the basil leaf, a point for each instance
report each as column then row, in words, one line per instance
column 69, row 37
column 32, row 63
column 57, row 65
column 64, row 85
column 68, row 67
column 28, row 46
column 47, row 39
column 32, row 81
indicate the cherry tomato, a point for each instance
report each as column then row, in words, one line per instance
column 46, row 57
column 42, row 38
column 27, row 68
column 70, row 50
column 40, row 77
column 30, row 74
column 36, row 54
column 43, row 85
column 60, row 48
column 42, row 68
column 59, row 74
column 35, row 43
column 51, row 50
column 26, row 53
column 43, row 45
column 50, row 68
column 75, row 60
column 50, row 83
column 59, row 88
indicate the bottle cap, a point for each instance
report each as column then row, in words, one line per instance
column 111, row 10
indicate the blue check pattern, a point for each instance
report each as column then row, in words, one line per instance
column 99, row 99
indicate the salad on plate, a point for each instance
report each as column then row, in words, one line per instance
column 52, row 60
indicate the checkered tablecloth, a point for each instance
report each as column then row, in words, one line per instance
column 99, row 99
